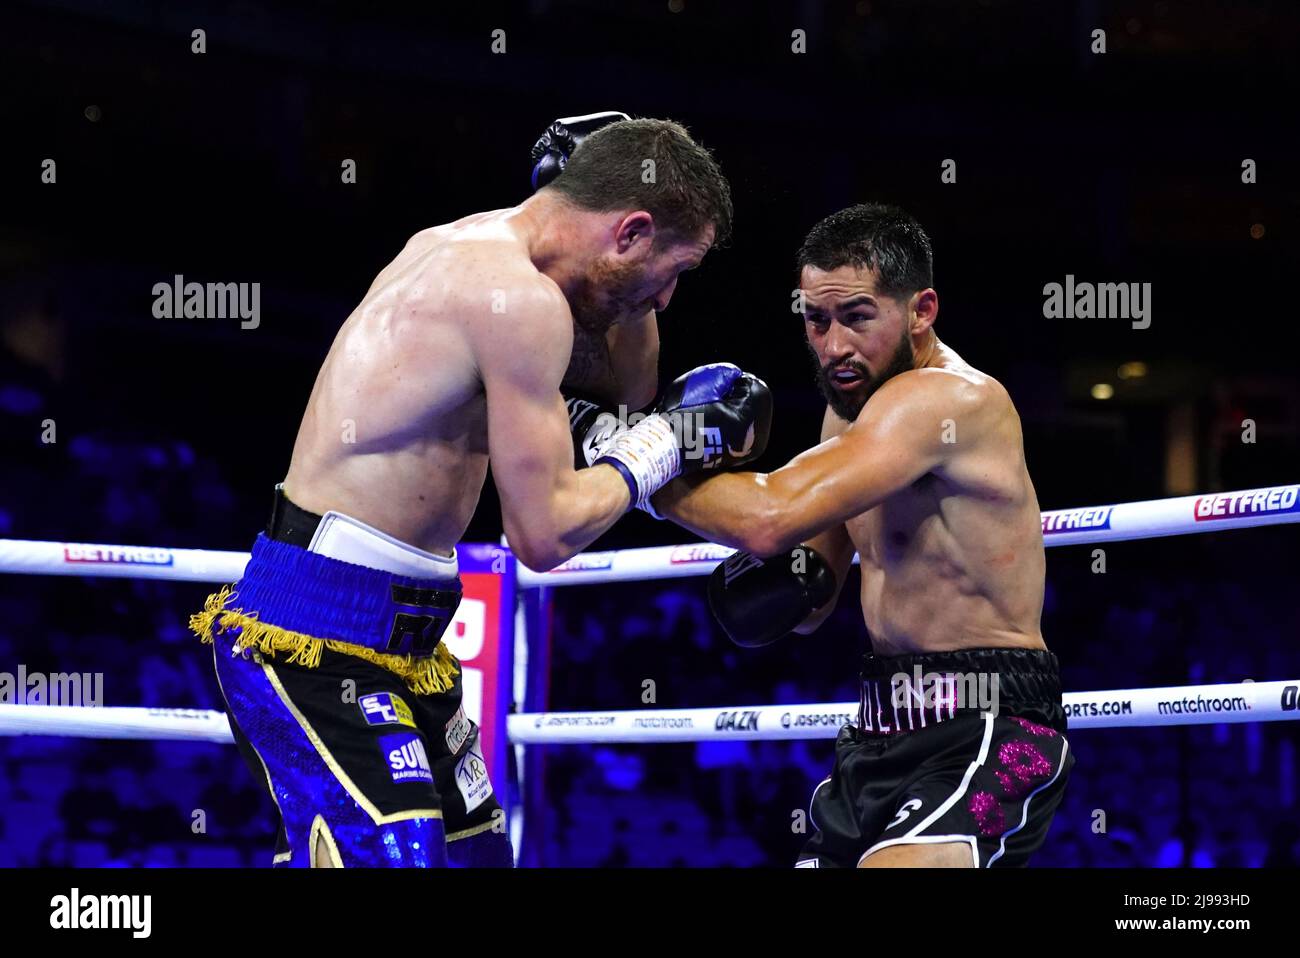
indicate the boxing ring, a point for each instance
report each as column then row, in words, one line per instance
column 502, row 635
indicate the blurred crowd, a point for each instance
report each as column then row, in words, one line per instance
column 1199, row 609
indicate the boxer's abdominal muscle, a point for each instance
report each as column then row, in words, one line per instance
column 944, row 570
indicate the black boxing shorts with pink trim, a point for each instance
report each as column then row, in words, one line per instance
column 964, row 747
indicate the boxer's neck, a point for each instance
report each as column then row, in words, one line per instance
column 561, row 239
column 929, row 352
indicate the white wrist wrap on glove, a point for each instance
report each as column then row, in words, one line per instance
column 651, row 455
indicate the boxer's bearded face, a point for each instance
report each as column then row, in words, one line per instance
column 618, row 287
column 612, row 290
column 858, row 338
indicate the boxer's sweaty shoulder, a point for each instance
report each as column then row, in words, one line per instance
column 395, row 432
column 956, row 558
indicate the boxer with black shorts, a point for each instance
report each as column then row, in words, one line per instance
column 959, row 755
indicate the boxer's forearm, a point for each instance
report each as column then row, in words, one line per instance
column 580, row 507
column 731, row 508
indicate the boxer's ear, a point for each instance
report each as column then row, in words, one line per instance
column 633, row 228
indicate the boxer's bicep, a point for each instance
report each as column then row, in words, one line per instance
column 887, row 449
column 521, row 363
column 549, row 511
column 833, row 543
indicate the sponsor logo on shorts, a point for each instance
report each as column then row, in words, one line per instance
column 385, row 708
column 116, row 555
column 458, row 728
column 1071, row 520
column 740, row 720
column 700, row 552
column 815, row 719
column 1259, row 502
column 406, row 757
column 904, row 812
column 472, row 778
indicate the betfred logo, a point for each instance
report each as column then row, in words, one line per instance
column 1256, row 502
column 586, row 562
column 700, row 552
column 406, row 757
column 116, row 555
column 1073, row 520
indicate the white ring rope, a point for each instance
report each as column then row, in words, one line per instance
column 1210, row 512
column 84, row 721
column 1121, row 708
column 1183, row 705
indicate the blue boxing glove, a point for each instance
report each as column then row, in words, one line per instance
column 713, row 417
column 554, row 147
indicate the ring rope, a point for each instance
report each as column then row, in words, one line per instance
column 1152, row 518
column 1121, row 708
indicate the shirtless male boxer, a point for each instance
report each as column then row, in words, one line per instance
column 921, row 470
column 341, row 695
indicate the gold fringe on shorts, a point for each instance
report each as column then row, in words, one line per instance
column 424, row 676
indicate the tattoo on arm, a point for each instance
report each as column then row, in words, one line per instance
column 590, row 367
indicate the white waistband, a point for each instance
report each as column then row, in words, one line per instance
column 351, row 540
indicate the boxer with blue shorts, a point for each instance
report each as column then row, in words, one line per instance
column 341, row 695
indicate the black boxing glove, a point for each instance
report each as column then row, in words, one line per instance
column 718, row 433
column 554, row 147
column 713, row 416
column 757, row 601
column 592, row 426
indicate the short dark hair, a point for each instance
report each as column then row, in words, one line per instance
column 688, row 191
column 873, row 236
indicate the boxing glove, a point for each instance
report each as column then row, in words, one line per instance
column 713, row 416
column 554, row 147
column 592, row 426
column 757, row 601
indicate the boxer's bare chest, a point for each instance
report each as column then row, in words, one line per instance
column 889, row 536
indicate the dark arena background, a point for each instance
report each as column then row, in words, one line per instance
column 1149, row 142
